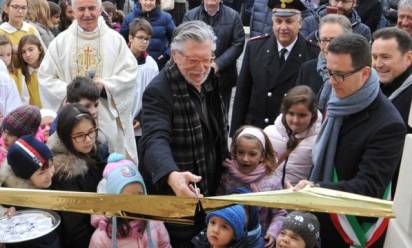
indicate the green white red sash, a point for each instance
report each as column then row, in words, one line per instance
column 356, row 234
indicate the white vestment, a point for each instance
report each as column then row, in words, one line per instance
column 9, row 95
column 104, row 52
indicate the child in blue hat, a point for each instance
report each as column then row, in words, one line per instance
column 225, row 228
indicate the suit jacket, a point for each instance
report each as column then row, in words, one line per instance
column 368, row 152
column 309, row 76
column 263, row 82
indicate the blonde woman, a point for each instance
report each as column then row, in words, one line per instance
column 39, row 15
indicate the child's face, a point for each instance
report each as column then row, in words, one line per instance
column 248, row 154
column 289, row 239
column 5, row 54
column 139, row 42
column 31, row 55
column 219, row 232
column 8, row 139
column 42, row 179
column 84, row 136
column 17, row 11
column 298, row 118
column 45, row 125
column 55, row 20
column 91, row 106
column 133, row 189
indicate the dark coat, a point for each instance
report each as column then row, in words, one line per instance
column 163, row 27
column 155, row 152
column 310, row 25
column 74, row 174
column 260, row 19
column 369, row 150
column 230, row 40
column 262, row 84
column 308, row 75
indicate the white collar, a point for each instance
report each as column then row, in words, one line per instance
column 289, row 48
column 32, row 70
column 10, row 29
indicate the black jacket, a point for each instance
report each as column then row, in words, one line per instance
column 230, row 39
column 263, row 83
column 308, row 75
column 369, row 150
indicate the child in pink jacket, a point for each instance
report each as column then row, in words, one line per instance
column 122, row 177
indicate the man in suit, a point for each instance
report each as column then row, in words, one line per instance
column 360, row 144
column 313, row 72
column 270, row 66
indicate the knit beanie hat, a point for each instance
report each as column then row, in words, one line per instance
column 24, row 120
column 305, row 224
column 27, row 155
column 48, row 113
column 235, row 216
column 119, row 172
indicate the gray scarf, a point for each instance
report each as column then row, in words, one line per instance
column 326, row 87
column 403, row 87
column 327, row 141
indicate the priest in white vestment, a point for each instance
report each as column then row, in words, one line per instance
column 90, row 48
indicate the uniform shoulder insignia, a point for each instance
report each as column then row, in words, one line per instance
column 259, row 37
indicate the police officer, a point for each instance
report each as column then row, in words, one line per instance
column 270, row 66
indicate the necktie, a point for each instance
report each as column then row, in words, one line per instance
column 282, row 57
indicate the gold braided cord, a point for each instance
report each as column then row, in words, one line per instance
column 182, row 209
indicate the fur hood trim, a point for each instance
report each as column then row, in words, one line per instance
column 66, row 164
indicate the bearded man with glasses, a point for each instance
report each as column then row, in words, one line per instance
column 184, row 139
column 360, row 144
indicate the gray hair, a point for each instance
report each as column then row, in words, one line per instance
column 341, row 20
column 405, row 4
column 195, row 31
column 99, row 3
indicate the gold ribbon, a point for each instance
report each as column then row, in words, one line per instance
column 182, row 209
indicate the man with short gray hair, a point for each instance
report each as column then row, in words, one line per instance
column 405, row 16
column 184, row 139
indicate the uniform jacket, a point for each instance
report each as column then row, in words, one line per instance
column 163, row 26
column 310, row 25
column 73, row 174
column 369, row 149
column 230, row 39
column 309, row 76
column 262, row 83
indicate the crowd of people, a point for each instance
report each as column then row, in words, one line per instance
column 124, row 97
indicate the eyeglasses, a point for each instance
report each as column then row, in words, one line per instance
column 340, row 76
column 18, row 7
column 325, row 41
column 82, row 137
column 195, row 61
column 144, row 39
column 343, row 1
